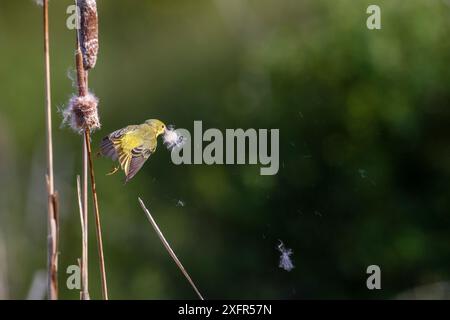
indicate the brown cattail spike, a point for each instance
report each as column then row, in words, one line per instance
column 88, row 32
column 81, row 113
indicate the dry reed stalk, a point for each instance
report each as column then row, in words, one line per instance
column 168, row 248
column 84, row 294
column 86, row 104
column 88, row 163
column 85, row 235
column 85, row 194
column 52, row 214
column 84, row 208
column 97, row 217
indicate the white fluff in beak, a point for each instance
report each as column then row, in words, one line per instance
column 172, row 139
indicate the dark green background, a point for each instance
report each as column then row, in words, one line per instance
column 364, row 125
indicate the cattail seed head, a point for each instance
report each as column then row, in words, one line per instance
column 88, row 32
column 81, row 113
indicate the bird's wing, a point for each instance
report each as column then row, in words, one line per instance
column 111, row 144
column 119, row 145
column 131, row 146
column 137, row 160
column 107, row 149
column 141, row 153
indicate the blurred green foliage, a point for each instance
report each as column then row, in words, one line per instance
column 364, row 123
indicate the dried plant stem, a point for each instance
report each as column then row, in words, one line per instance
column 98, row 227
column 85, row 172
column 87, row 160
column 87, row 157
column 84, row 209
column 52, row 243
column 84, row 295
column 85, row 169
column 52, row 214
column 81, row 74
column 168, row 248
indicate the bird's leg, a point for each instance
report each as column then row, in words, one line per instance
column 114, row 170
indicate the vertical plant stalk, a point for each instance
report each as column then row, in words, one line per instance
column 82, row 91
column 85, row 192
column 98, row 227
column 169, row 249
column 82, row 114
column 84, row 295
column 87, row 162
column 52, row 214
column 85, row 233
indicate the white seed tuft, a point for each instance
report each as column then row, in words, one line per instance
column 285, row 257
column 172, row 139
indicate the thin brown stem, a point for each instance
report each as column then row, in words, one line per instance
column 81, row 76
column 98, row 227
column 52, row 214
column 84, row 197
column 82, row 91
column 87, row 161
column 83, row 264
column 168, row 248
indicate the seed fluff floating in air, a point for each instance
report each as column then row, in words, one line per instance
column 285, row 257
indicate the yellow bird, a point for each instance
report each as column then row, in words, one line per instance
column 132, row 145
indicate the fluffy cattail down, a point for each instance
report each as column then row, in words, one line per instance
column 172, row 138
column 81, row 113
column 88, row 32
column 285, row 257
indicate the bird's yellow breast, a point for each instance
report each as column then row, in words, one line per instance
column 142, row 136
column 130, row 141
